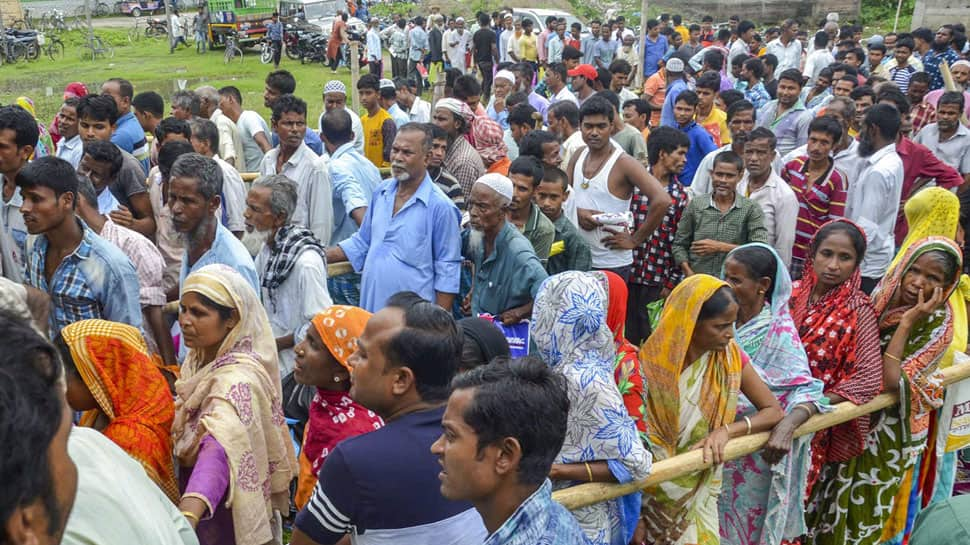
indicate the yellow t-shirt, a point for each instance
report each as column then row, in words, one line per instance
column 528, row 51
column 716, row 124
column 374, row 137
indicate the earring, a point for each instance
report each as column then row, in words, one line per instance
column 336, row 379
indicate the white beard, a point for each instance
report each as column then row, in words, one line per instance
column 254, row 240
column 476, row 240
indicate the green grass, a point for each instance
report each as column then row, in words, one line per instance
column 150, row 67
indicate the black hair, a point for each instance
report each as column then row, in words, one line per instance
column 124, row 87
column 337, row 127
column 821, row 39
column 604, row 77
column 690, row 97
column 521, row 114
column 922, row 33
column 724, row 35
column 878, row 47
column 793, row 75
column 430, row 345
column 621, row 66
column 98, row 108
column 759, row 263
column 951, row 97
column 709, row 80
column 223, row 311
column 707, row 19
column 610, row 96
column 652, row 23
column 31, row 405
column 72, row 102
column 718, row 302
column 892, row 94
column 885, row 118
column 169, row 152
column 849, row 229
column 571, row 53
column 401, row 23
column 524, row 69
column 565, row 109
column 667, row 140
column 771, row 60
column 466, row 86
column 738, row 60
column 516, row 98
column 906, row 40
column 172, row 125
column 288, row 104
column 732, row 97
column 206, row 131
column 755, row 66
column 23, row 124
column 920, row 77
column 745, row 26
column 863, row 91
column 556, row 176
column 559, row 69
column 189, row 100
column 437, row 133
column 282, row 81
column 827, row 125
column 641, row 106
column 388, row 92
column 528, row 165
column 86, row 191
column 596, row 105
column 505, row 391
column 369, row 81
column 421, row 128
column 103, row 151
column 482, row 342
column 762, row 133
column 404, row 300
column 728, row 156
column 232, row 91
column 826, row 73
column 51, row 172
column 149, row 102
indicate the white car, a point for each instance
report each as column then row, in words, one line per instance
column 538, row 17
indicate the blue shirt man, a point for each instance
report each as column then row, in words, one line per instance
column 653, row 52
column 419, row 44
column 274, row 29
column 130, row 137
column 701, row 143
column 675, row 86
column 353, row 180
column 418, row 248
column 931, row 65
column 603, row 52
column 227, row 250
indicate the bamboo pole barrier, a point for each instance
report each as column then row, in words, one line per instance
column 665, row 470
column 250, row 177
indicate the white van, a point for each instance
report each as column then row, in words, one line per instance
column 318, row 15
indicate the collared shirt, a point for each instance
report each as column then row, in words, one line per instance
column 570, row 146
column 737, row 47
column 703, row 220
column 417, row 249
column 675, row 88
column 13, row 237
column 464, row 163
column 147, row 260
column 848, row 160
column 653, row 53
column 420, row 111
column 586, row 47
column 701, row 143
column 233, row 197
column 540, row 232
column 130, row 137
column 780, row 207
column 297, row 300
column 419, row 44
column 954, row 151
column 374, row 51
column 815, row 62
column 819, row 201
column 399, row 116
column 931, row 65
column 873, row 203
column 539, row 520
column 310, row 138
column 791, row 128
column 227, row 250
column 71, row 150
column 920, row 163
column 603, row 53
column 901, row 75
column 540, row 103
column 564, row 94
column 96, row 280
column 354, row 180
column 274, row 31
column 756, row 94
column 555, row 46
column 355, row 124
column 314, row 208
column 653, row 261
column 575, row 255
column 507, row 278
column 789, row 56
column 166, row 237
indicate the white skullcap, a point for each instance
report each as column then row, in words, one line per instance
column 386, row 83
column 335, row 86
column 460, row 20
column 506, row 75
column 497, row 183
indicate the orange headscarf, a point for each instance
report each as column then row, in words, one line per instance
column 131, row 392
column 339, row 327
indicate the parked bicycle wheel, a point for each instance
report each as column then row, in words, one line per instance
column 102, row 10
column 233, row 54
column 20, row 24
column 32, row 51
column 266, row 53
column 55, row 49
column 16, row 52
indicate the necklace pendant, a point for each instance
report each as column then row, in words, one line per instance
column 585, row 184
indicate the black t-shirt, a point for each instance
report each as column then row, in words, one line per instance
column 484, row 39
column 772, row 88
column 434, row 44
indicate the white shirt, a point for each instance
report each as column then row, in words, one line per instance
column 789, row 56
column 873, row 203
column 71, row 150
column 230, row 146
column 355, row 125
column 564, row 94
column 815, row 62
column 374, row 51
column 503, row 45
column 420, row 111
column 314, row 207
column 250, row 124
column 456, row 47
column 570, row 146
column 234, row 196
column 738, row 47
column 176, row 25
column 301, row 296
column 701, row 184
column 780, row 206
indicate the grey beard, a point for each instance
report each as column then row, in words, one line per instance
column 254, row 240
column 193, row 239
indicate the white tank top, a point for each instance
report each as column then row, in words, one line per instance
column 594, row 193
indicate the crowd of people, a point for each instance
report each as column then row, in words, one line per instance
column 412, row 323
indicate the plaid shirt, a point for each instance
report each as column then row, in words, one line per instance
column 744, row 222
column 653, row 261
column 924, row 113
column 931, row 65
column 464, row 163
column 97, row 280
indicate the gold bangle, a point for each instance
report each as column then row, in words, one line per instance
column 191, row 515
column 890, row 356
column 748, row 422
column 589, row 471
column 804, row 408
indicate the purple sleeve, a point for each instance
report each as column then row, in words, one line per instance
column 210, row 476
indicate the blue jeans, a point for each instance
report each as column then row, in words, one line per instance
column 201, row 41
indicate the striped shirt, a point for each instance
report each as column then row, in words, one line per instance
column 818, row 201
column 900, row 76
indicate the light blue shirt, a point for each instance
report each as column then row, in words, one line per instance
column 353, row 179
column 130, row 137
column 416, row 249
column 71, row 150
column 399, row 116
column 374, row 51
column 226, row 249
column 419, row 44
column 667, row 113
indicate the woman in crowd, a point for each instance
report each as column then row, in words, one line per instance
column 488, row 138
column 627, row 371
column 230, row 435
column 695, row 370
column 838, row 328
column 321, row 361
column 45, row 145
column 853, row 500
column 122, row 393
column 762, row 498
column 482, row 342
column 569, row 329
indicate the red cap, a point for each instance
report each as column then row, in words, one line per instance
column 585, row 70
column 76, row 89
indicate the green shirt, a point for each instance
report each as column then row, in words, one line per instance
column 702, row 220
column 576, row 257
column 540, row 232
column 509, row 277
column 943, row 522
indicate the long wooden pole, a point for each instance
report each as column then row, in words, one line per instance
column 643, row 44
column 665, row 470
column 354, row 74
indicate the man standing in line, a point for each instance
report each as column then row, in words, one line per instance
column 230, row 146
column 274, row 33
column 379, row 127
column 462, row 160
column 128, row 134
column 485, row 53
column 200, row 24
column 786, row 47
column 676, row 84
column 417, row 48
column 205, row 141
column 786, row 116
column 654, row 49
column 253, row 132
column 335, row 97
column 777, row 199
column 70, row 147
column 375, row 51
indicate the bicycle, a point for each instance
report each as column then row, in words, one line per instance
column 53, row 20
column 135, row 32
column 11, row 50
column 233, row 51
column 27, row 23
column 54, row 47
column 95, row 47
